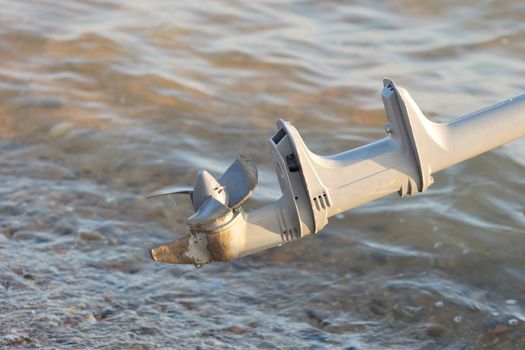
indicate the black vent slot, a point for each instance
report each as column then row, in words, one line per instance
column 292, row 163
column 279, row 135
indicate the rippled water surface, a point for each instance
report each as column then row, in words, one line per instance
column 104, row 101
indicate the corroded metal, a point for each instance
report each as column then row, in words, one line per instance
column 198, row 248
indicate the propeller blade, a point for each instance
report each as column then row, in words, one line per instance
column 239, row 180
column 205, row 186
column 210, row 211
column 182, row 189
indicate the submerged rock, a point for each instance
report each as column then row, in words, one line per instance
column 434, row 330
column 61, row 129
column 237, row 330
column 16, row 339
column 91, row 236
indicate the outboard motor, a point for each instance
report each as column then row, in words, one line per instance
column 315, row 188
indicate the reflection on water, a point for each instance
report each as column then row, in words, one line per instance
column 103, row 101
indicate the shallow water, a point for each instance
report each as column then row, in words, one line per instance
column 104, row 101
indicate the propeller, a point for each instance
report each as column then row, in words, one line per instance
column 214, row 203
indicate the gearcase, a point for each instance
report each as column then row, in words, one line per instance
column 315, row 188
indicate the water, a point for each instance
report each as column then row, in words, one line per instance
column 104, row 101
